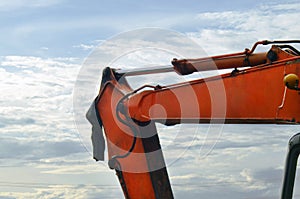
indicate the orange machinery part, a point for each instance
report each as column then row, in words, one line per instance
column 254, row 95
column 143, row 173
column 234, row 60
column 188, row 66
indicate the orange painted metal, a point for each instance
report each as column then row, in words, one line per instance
column 188, row 66
column 254, row 95
column 233, row 60
column 141, row 174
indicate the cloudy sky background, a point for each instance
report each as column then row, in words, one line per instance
column 43, row 48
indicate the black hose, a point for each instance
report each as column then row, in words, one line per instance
column 119, row 109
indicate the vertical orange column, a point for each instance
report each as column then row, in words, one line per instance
column 142, row 173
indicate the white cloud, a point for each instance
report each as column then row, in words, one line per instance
column 230, row 31
column 71, row 164
column 90, row 46
column 65, row 191
column 84, row 47
column 36, row 98
column 44, row 48
column 292, row 6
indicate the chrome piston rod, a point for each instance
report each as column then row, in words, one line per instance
column 145, row 71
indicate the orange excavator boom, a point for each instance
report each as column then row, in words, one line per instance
column 256, row 94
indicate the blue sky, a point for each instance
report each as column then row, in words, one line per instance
column 43, row 154
column 60, row 25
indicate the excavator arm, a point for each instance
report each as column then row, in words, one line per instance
column 256, row 94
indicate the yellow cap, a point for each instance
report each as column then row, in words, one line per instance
column 291, row 81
